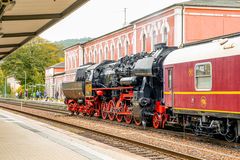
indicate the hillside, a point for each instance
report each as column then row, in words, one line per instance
column 69, row 42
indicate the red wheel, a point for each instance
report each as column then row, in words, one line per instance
column 128, row 119
column 91, row 112
column 157, row 120
column 111, row 107
column 104, row 110
column 137, row 121
column 119, row 118
column 70, row 106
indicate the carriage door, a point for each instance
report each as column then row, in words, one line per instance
column 170, row 86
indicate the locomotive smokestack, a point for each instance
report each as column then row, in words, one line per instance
column 160, row 46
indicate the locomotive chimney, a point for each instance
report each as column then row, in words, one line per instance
column 160, row 46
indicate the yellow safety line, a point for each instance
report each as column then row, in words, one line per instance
column 204, row 110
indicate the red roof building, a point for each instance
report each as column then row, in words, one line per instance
column 54, row 76
column 175, row 25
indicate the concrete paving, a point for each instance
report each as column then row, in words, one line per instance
column 24, row 139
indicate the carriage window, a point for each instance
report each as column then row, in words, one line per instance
column 203, row 76
column 144, row 42
column 169, row 79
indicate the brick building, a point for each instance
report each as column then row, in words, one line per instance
column 175, row 25
column 73, row 59
column 54, row 76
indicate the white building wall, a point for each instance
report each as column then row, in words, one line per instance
column 178, row 27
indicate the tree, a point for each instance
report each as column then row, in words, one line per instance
column 32, row 58
column 2, row 82
column 69, row 42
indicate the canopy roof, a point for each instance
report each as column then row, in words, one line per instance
column 21, row 20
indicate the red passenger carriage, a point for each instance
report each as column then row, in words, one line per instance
column 202, row 82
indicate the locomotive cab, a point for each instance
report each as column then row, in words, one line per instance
column 149, row 95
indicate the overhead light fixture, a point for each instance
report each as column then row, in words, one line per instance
column 8, row 4
column 5, row 5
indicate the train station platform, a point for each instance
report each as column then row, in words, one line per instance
column 22, row 138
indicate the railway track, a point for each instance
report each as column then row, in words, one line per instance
column 133, row 146
column 39, row 106
column 177, row 133
column 171, row 131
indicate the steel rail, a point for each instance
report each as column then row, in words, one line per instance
column 179, row 132
column 165, row 152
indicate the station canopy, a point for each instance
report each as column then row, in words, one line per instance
column 22, row 20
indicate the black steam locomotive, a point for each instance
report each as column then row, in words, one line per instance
column 130, row 88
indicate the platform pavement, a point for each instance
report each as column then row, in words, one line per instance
column 25, row 139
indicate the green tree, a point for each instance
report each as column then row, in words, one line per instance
column 32, row 58
column 2, row 82
column 69, row 42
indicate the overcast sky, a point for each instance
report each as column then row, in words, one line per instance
column 98, row 17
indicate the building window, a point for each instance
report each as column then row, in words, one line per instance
column 112, row 53
column 70, row 63
column 144, row 42
column 86, row 56
column 165, row 35
column 90, row 57
column 95, row 57
column 106, row 53
column 73, row 61
column 127, row 45
column 100, row 56
column 154, row 39
column 119, row 51
column 203, row 76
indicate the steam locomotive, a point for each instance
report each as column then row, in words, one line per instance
column 196, row 87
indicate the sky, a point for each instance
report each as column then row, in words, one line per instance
column 98, row 17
